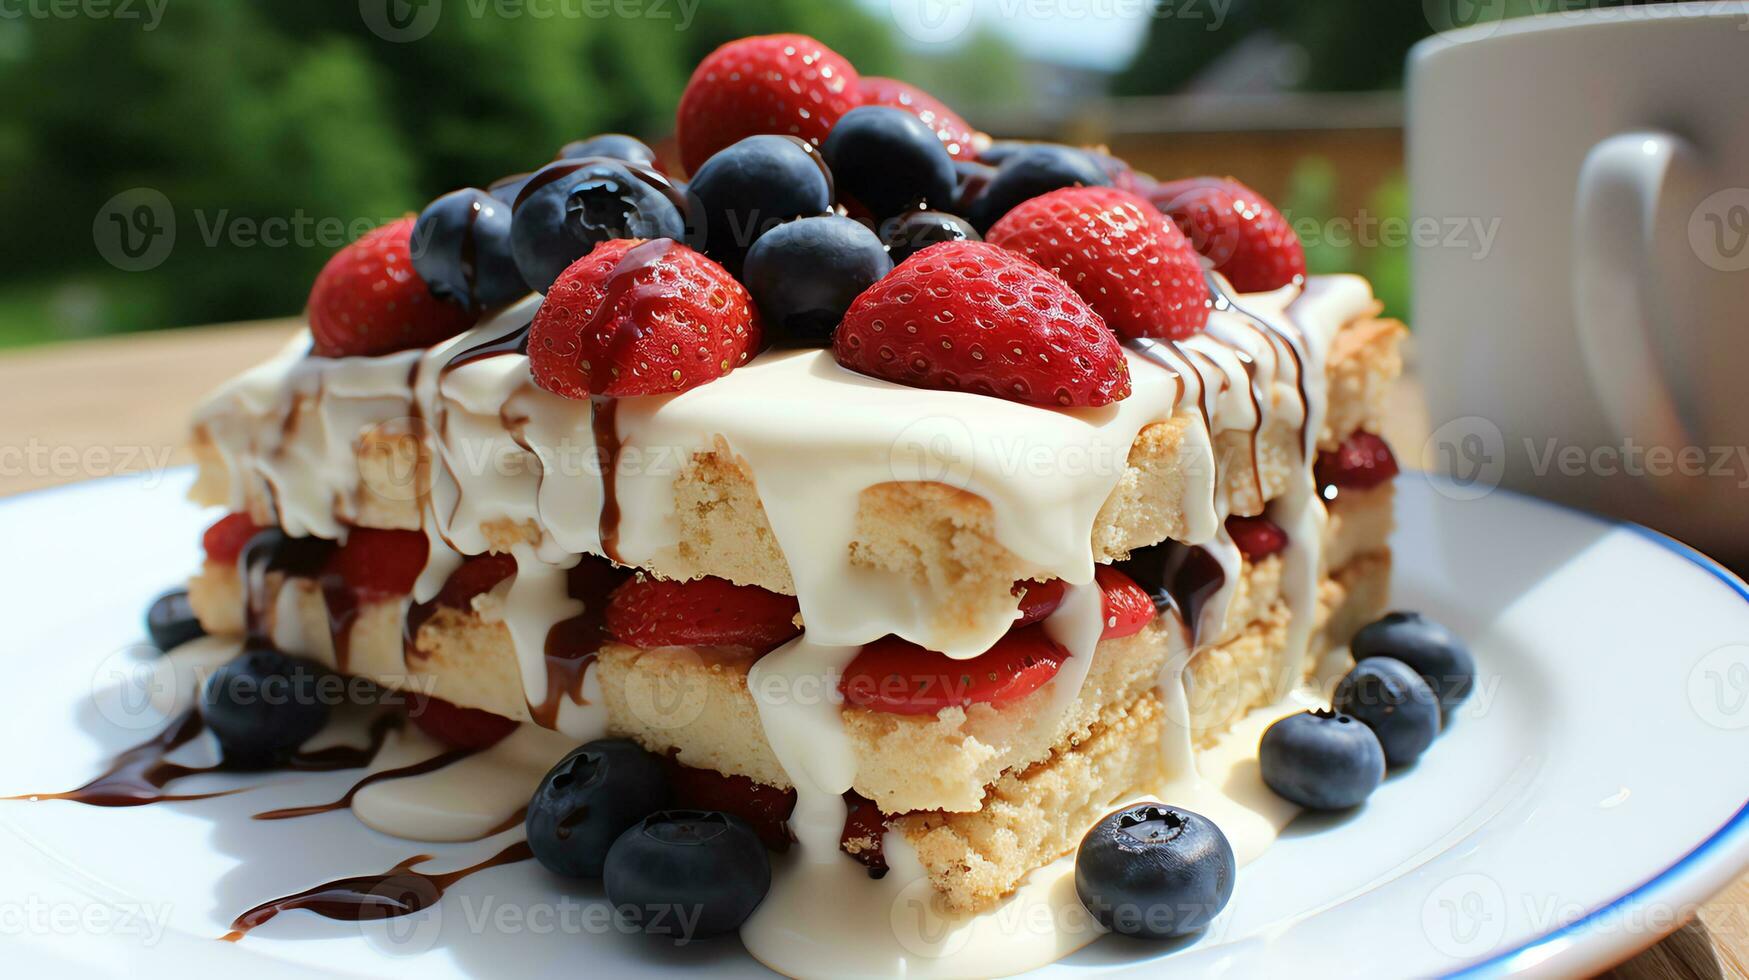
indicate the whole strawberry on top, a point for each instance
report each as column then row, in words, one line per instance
column 638, row 317
column 1247, row 239
column 368, row 300
column 970, row 316
column 1124, row 258
column 788, row 84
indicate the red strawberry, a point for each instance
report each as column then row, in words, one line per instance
column 1125, row 259
column 1127, row 606
column 224, row 541
column 956, row 134
column 969, row 316
column 640, row 318
column 765, row 808
column 374, row 562
column 902, row 678
column 1247, row 239
column 368, row 300
column 1257, row 537
column 1362, row 462
column 456, row 726
column 789, row 84
column 1038, row 600
column 646, row 612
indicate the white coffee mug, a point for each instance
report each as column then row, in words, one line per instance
column 1588, row 339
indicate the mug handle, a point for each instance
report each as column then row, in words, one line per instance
column 1614, row 293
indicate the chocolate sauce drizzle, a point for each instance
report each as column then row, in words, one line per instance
column 140, row 775
column 432, row 764
column 367, row 898
column 604, row 420
column 572, row 644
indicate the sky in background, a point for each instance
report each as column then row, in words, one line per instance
column 1099, row 34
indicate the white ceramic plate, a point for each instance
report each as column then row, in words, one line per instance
column 1589, row 795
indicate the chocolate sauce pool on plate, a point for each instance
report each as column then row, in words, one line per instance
column 367, row 898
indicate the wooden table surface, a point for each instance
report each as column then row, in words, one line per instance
column 99, row 408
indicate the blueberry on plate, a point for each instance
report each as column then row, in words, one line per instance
column 588, row 800
column 263, row 704
column 687, row 874
column 750, row 187
column 1030, row 171
column 617, row 146
column 570, row 206
column 1155, row 871
column 914, row 231
column 804, row 274
column 888, row 160
column 1392, row 700
column 1321, row 760
column 461, row 248
column 1436, row 653
column 170, row 620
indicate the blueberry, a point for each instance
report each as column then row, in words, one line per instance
column 170, row 620
column 804, row 274
column 589, row 799
column 751, row 187
column 506, row 188
column 1436, row 653
column 263, row 704
column 570, row 206
column 687, row 874
column 1155, row 871
column 617, row 146
column 1000, row 150
column 888, row 160
column 461, row 248
column 1321, row 760
column 970, row 179
column 1392, row 700
column 914, row 231
column 1030, row 171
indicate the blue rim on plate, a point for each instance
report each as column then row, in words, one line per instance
column 1535, row 951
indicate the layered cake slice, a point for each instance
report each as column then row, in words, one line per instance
column 915, row 542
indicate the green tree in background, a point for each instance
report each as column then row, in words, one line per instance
column 245, row 114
